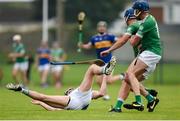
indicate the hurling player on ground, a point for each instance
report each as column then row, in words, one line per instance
column 77, row 99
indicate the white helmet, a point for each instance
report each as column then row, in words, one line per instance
column 16, row 37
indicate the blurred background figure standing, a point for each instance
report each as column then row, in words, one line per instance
column 57, row 54
column 20, row 62
column 30, row 60
column 42, row 62
column 1, row 75
column 102, row 41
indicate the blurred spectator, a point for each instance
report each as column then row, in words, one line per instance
column 20, row 62
column 57, row 54
column 42, row 62
column 1, row 75
column 30, row 60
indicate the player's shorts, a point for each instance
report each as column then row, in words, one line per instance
column 23, row 66
column 57, row 68
column 79, row 100
column 44, row 67
column 150, row 59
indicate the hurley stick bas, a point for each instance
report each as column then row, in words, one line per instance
column 94, row 61
column 81, row 17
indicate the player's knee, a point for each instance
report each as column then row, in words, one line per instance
column 92, row 67
column 129, row 75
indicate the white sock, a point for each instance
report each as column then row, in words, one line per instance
column 25, row 91
column 120, row 99
column 122, row 77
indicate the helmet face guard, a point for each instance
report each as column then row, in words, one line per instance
column 137, row 12
column 140, row 6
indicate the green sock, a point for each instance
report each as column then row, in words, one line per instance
column 138, row 99
column 149, row 98
column 119, row 104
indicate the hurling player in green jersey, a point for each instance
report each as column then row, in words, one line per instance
column 133, row 27
column 148, row 36
column 18, row 56
column 57, row 54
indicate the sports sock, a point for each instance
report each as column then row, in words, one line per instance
column 25, row 91
column 149, row 98
column 122, row 76
column 138, row 99
column 103, row 69
column 119, row 103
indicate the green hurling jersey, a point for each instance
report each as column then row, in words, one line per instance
column 19, row 48
column 131, row 30
column 149, row 34
column 57, row 53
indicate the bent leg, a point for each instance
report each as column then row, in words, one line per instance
column 88, row 78
column 99, row 79
column 133, row 73
column 113, row 78
column 15, row 75
column 24, row 77
column 44, row 76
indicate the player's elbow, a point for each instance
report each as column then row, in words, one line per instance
column 134, row 40
column 133, row 43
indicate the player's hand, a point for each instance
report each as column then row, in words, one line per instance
column 36, row 102
column 11, row 55
column 105, row 53
column 80, row 44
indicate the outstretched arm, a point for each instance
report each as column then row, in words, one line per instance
column 102, row 90
column 85, row 46
column 119, row 43
column 45, row 106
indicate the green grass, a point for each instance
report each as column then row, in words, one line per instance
column 17, row 106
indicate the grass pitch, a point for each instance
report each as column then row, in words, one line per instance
column 17, row 106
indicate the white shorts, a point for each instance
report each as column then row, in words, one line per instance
column 23, row 66
column 44, row 67
column 150, row 59
column 79, row 100
column 56, row 68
